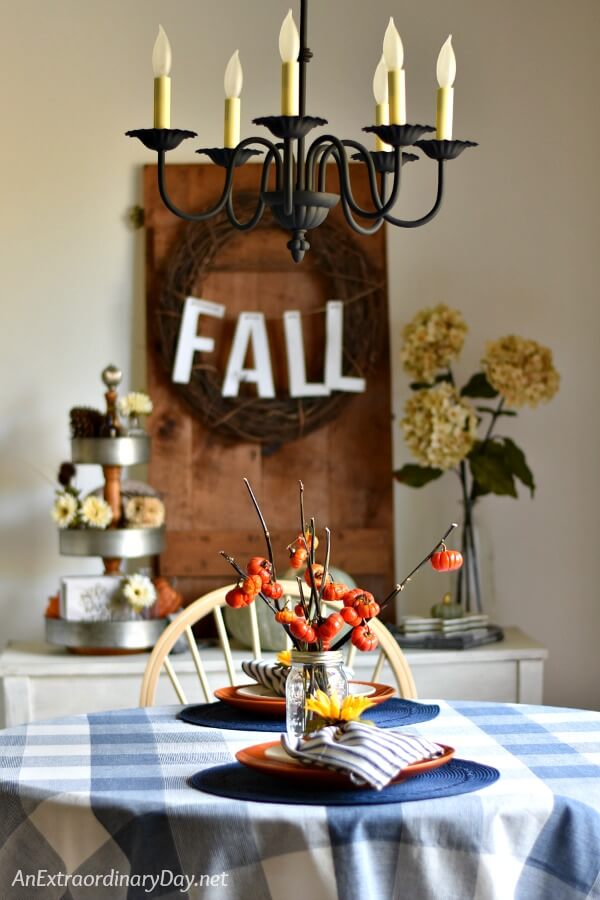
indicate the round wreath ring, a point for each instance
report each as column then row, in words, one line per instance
column 353, row 279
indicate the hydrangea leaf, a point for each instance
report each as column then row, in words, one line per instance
column 491, row 470
column 416, row 476
column 478, row 386
column 518, row 464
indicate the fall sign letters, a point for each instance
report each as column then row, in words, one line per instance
column 251, row 334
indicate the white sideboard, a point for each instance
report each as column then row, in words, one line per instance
column 39, row 681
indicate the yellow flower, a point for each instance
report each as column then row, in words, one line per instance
column 332, row 711
column 439, row 426
column 285, row 658
column 431, row 341
column 522, row 371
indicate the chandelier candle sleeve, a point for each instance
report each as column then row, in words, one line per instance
column 393, row 54
column 161, row 64
column 382, row 107
column 446, row 73
column 289, row 48
column 234, row 79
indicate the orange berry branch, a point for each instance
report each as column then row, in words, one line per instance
column 307, row 624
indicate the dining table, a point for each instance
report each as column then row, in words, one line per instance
column 107, row 805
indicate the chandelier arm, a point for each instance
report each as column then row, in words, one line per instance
column 383, row 185
column 415, row 223
column 272, row 155
column 376, row 197
column 337, row 149
column 377, row 193
column 260, row 206
column 360, row 229
column 180, row 213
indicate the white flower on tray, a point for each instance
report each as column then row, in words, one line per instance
column 64, row 510
column 135, row 403
column 139, row 591
column 95, row 512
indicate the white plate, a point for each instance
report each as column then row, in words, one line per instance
column 261, row 690
column 258, row 690
column 280, row 754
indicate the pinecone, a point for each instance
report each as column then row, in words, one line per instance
column 85, row 422
column 66, row 474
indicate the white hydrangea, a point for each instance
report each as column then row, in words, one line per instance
column 521, row 370
column 440, row 427
column 431, row 341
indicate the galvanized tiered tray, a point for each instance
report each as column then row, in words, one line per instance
column 112, row 544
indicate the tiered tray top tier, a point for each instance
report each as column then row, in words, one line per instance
column 122, row 451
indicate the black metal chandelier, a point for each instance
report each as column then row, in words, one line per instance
column 299, row 201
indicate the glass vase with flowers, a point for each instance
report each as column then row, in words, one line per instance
column 441, row 422
column 324, row 617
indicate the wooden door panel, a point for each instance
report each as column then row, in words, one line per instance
column 346, row 465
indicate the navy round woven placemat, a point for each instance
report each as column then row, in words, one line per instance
column 238, row 782
column 390, row 714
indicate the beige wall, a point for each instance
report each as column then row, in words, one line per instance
column 515, row 248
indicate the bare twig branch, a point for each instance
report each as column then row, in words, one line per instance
column 400, row 587
column 264, row 528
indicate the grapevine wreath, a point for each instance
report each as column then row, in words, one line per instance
column 352, row 278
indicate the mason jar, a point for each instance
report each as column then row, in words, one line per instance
column 311, row 672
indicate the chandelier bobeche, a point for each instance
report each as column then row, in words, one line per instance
column 299, row 200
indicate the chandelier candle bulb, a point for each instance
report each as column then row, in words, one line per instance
column 234, row 79
column 161, row 64
column 289, row 48
column 446, row 73
column 393, row 54
column 382, row 107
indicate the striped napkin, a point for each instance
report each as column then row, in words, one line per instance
column 367, row 754
column 269, row 674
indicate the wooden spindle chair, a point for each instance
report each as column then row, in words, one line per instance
column 213, row 602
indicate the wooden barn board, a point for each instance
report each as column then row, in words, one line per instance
column 346, row 466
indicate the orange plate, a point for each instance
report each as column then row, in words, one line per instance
column 255, row 758
column 275, row 706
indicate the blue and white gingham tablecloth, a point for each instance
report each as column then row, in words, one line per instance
column 98, row 806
